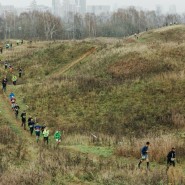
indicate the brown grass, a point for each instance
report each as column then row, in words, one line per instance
column 160, row 146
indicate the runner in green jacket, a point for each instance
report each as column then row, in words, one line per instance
column 57, row 137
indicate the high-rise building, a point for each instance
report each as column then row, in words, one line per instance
column 56, row 7
column 74, row 6
column 33, row 5
column 98, row 9
column 81, row 6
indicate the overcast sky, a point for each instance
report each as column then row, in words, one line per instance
column 145, row 4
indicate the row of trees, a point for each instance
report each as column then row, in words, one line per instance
column 45, row 26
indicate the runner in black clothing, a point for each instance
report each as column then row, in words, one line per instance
column 20, row 72
column 171, row 157
column 31, row 125
column 29, row 119
column 23, row 116
column 5, row 65
column 16, row 109
column 4, row 83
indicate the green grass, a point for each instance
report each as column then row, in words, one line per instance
column 95, row 150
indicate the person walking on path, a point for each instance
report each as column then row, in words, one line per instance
column 31, row 125
column 171, row 157
column 29, row 119
column 37, row 131
column 11, row 95
column 46, row 135
column 4, row 83
column 57, row 137
column 23, row 116
column 20, row 72
column 42, row 128
column 144, row 155
column 11, row 69
column 5, row 65
column 14, row 79
column 16, row 109
column 13, row 100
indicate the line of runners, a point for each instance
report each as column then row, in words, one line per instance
column 33, row 125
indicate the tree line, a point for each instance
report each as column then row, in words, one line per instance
column 45, row 26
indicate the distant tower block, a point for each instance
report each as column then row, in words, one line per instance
column 56, row 7
column 81, row 6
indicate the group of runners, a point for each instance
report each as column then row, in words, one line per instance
column 14, row 77
column 32, row 124
column 171, row 157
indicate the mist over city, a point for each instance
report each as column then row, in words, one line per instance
column 112, row 5
column 78, row 19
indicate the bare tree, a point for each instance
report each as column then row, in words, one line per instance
column 51, row 25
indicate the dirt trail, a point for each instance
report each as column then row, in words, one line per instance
column 72, row 64
column 15, row 125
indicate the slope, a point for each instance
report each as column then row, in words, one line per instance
column 125, row 94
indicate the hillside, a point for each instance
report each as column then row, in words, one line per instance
column 118, row 88
column 125, row 91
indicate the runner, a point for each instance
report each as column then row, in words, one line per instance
column 46, row 135
column 29, row 119
column 11, row 95
column 14, row 79
column 23, row 116
column 37, row 132
column 5, row 65
column 42, row 128
column 16, row 109
column 31, row 125
column 13, row 102
column 144, row 155
column 20, row 72
column 10, row 68
column 4, row 83
column 171, row 157
column 57, row 137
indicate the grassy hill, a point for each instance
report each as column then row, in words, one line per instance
column 125, row 91
column 118, row 89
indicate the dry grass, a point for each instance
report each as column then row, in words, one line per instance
column 160, row 146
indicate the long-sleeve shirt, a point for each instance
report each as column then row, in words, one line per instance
column 46, row 133
column 171, row 154
column 11, row 95
column 37, row 128
column 144, row 150
column 57, row 135
column 23, row 116
column 31, row 124
column 14, row 78
column 4, row 82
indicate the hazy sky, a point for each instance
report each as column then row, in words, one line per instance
column 145, row 4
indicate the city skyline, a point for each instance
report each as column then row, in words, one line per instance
column 144, row 4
